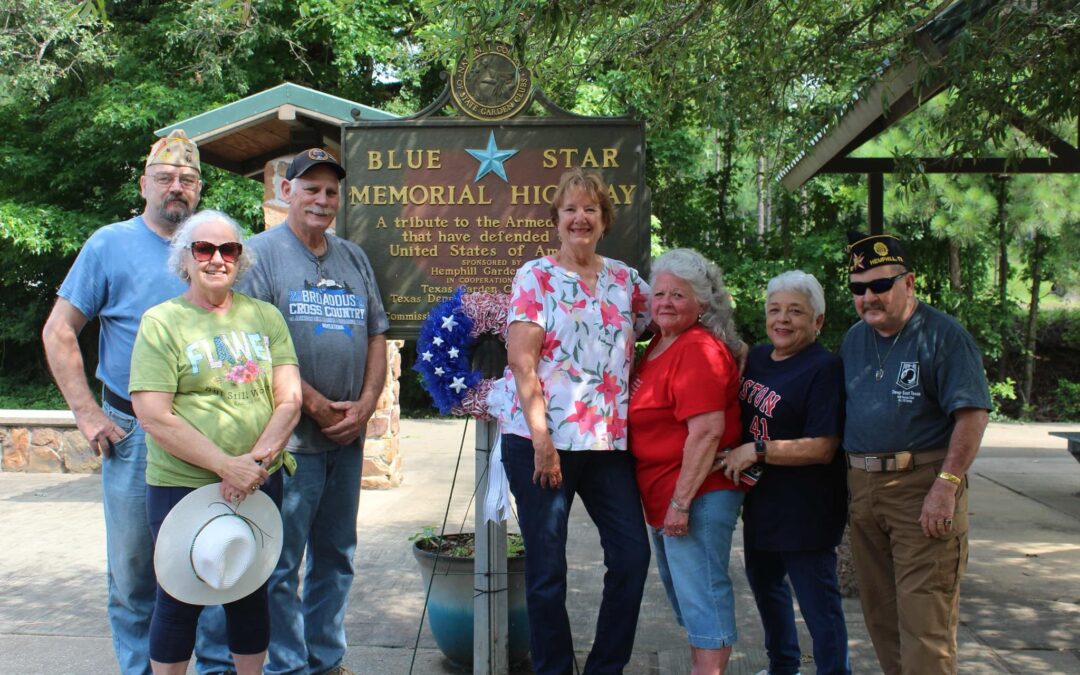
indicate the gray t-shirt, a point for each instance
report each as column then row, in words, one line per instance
column 933, row 370
column 331, row 304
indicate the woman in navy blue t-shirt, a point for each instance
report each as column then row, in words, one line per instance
column 792, row 398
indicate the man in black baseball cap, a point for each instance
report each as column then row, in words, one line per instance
column 917, row 405
column 310, row 158
column 325, row 288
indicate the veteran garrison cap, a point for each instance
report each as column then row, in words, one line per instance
column 175, row 149
column 313, row 157
column 867, row 251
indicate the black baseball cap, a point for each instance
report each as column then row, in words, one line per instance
column 313, row 157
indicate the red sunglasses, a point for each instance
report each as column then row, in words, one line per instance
column 203, row 251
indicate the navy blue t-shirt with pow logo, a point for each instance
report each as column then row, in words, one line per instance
column 933, row 370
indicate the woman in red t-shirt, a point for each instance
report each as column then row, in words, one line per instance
column 683, row 409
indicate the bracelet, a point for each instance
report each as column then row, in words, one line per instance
column 760, row 449
column 952, row 478
column 679, row 507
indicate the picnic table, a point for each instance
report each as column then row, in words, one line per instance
column 1073, row 437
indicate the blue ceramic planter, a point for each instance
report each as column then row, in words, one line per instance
column 450, row 606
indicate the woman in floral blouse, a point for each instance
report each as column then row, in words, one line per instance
column 573, row 320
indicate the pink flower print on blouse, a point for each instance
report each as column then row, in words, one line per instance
column 550, row 344
column 571, row 308
column 609, row 387
column 543, row 277
column 610, row 314
column 639, row 301
column 616, row 426
column 585, row 416
column 244, row 373
column 621, row 275
column 527, row 304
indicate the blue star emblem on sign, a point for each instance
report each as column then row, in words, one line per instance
column 491, row 159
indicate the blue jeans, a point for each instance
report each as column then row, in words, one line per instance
column 129, row 548
column 694, row 570
column 605, row 481
column 813, row 576
column 307, row 630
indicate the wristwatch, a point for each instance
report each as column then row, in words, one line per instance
column 759, row 449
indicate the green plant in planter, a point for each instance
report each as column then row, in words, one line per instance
column 462, row 545
column 447, row 565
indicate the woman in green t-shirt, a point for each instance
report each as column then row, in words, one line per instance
column 215, row 383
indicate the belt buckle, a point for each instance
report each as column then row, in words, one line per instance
column 872, row 463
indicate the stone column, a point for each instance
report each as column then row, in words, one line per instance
column 382, row 458
column 274, row 207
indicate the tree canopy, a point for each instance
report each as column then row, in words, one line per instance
column 730, row 91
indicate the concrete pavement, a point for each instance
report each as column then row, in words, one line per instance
column 1020, row 610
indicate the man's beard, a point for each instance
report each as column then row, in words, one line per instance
column 175, row 217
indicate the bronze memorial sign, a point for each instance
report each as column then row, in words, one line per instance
column 443, row 202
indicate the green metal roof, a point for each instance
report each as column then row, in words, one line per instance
column 270, row 100
column 243, row 135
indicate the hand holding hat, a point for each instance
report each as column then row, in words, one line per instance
column 209, row 552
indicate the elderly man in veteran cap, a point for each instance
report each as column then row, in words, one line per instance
column 119, row 274
column 326, row 290
column 917, row 405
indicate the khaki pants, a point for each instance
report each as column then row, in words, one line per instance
column 909, row 584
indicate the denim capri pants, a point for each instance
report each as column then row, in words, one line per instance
column 694, row 570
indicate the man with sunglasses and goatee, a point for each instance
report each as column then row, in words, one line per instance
column 119, row 274
column 326, row 290
column 917, row 405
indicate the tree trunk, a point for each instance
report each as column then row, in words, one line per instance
column 724, row 167
column 1032, row 325
column 954, row 267
column 761, row 196
column 1004, row 315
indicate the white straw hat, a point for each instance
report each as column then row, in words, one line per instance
column 210, row 553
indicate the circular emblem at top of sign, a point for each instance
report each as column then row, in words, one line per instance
column 489, row 84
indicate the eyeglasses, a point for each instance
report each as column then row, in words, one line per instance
column 878, row 286
column 188, row 181
column 203, row 251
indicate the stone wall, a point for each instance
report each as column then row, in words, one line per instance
column 44, row 441
column 47, row 441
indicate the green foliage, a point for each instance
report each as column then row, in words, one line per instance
column 999, row 392
column 1068, row 400
column 30, row 392
column 462, row 545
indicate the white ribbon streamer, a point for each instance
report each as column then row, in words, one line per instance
column 497, row 499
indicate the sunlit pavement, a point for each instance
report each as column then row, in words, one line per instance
column 1020, row 609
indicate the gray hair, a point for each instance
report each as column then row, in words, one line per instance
column 707, row 283
column 797, row 281
column 182, row 239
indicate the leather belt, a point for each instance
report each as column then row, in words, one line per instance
column 117, row 401
column 895, row 461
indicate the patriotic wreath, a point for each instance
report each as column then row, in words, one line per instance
column 445, row 346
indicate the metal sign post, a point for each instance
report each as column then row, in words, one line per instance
column 491, row 636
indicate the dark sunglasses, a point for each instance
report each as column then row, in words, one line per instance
column 878, row 286
column 203, row 251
